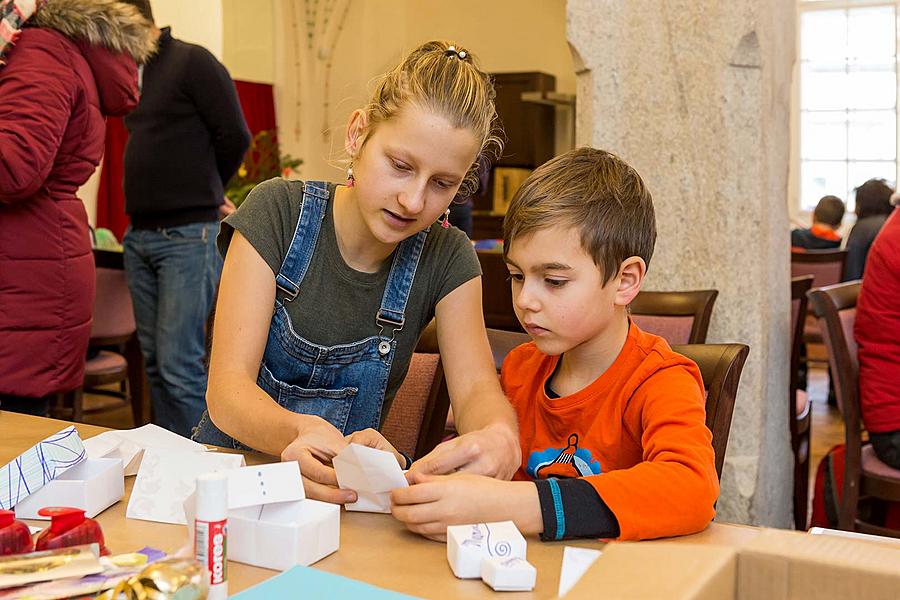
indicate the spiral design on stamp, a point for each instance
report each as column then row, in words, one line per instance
column 503, row 548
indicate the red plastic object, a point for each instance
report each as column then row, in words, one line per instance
column 15, row 537
column 69, row 527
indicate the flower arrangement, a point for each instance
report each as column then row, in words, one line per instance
column 261, row 162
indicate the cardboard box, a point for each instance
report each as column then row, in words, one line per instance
column 772, row 565
column 281, row 535
column 93, row 485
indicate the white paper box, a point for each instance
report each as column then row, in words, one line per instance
column 281, row 535
column 93, row 485
column 508, row 574
column 467, row 545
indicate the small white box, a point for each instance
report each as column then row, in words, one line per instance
column 508, row 574
column 283, row 534
column 93, row 485
column 467, row 545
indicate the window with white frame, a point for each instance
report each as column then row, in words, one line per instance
column 848, row 96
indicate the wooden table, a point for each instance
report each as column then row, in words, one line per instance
column 375, row 548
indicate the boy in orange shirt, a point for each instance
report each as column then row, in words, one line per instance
column 611, row 420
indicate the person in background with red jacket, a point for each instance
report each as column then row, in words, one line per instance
column 73, row 64
column 877, row 332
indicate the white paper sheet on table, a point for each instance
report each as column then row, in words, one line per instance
column 371, row 473
column 575, row 563
column 167, row 477
column 38, row 465
column 129, row 444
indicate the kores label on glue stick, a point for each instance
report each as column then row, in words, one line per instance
column 211, row 532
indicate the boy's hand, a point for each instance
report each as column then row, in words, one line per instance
column 318, row 442
column 373, row 439
column 493, row 451
column 434, row 502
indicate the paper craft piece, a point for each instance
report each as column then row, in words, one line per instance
column 167, row 477
column 316, row 584
column 129, row 444
column 468, row 545
column 575, row 563
column 93, row 485
column 279, row 536
column 40, row 464
column 265, row 484
column 74, row 561
column 371, row 473
column 508, row 574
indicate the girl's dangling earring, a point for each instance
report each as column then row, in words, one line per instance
column 446, row 222
column 350, row 180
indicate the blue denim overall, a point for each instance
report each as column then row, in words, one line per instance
column 343, row 384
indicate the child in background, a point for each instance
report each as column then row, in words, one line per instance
column 611, row 420
column 823, row 234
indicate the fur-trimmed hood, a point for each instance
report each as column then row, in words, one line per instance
column 118, row 26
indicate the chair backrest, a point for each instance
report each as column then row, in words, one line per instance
column 799, row 287
column 720, row 367
column 835, row 307
column 679, row 317
column 496, row 296
column 415, row 422
column 113, row 320
column 826, row 266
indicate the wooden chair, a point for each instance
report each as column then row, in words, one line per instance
column 679, row 317
column 799, row 408
column 865, row 476
column 720, row 366
column 118, row 358
column 415, row 421
column 827, row 268
column 496, row 297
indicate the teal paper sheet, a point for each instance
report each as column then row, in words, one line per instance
column 313, row 584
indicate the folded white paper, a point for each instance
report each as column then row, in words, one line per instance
column 264, row 484
column 279, row 536
column 167, row 477
column 468, row 545
column 575, row 563
column 508, row 574
column 40, row 464
column 129, row 444
column 371, row 473
column 93, row 486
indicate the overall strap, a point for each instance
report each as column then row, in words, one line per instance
column 303, row 244
column 400, row 279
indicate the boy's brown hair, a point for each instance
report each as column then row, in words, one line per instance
column 829, row 211
column 594, row 191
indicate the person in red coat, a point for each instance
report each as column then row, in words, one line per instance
column 74, row 62
column 877, row 333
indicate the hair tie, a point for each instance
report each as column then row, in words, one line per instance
column 452, row 51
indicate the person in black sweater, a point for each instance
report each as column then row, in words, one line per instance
column 187, row 138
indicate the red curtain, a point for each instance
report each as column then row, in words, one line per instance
column 258, row 105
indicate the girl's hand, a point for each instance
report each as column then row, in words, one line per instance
column 318, row 442
column 373, row 439
column 493, row 451
column 434, row 502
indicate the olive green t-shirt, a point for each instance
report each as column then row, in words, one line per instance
column 337, row 304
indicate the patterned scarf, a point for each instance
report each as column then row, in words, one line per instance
column 13, row 14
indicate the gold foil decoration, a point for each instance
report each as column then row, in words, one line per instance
column 169, row 579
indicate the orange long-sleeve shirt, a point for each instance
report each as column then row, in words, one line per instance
column 637, row 434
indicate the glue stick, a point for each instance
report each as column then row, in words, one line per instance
column 211, row 531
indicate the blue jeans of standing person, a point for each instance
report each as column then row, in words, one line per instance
column 172, row 274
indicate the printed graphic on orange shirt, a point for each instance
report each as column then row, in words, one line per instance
column 567, row 462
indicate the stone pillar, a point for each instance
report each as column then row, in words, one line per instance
column 695, row 94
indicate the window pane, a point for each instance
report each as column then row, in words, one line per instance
column 872, row 135
column 820, row 178
column 871, row 33
column 823, row 86
column 823, row 135
column 871, row 86
column 823, row 35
